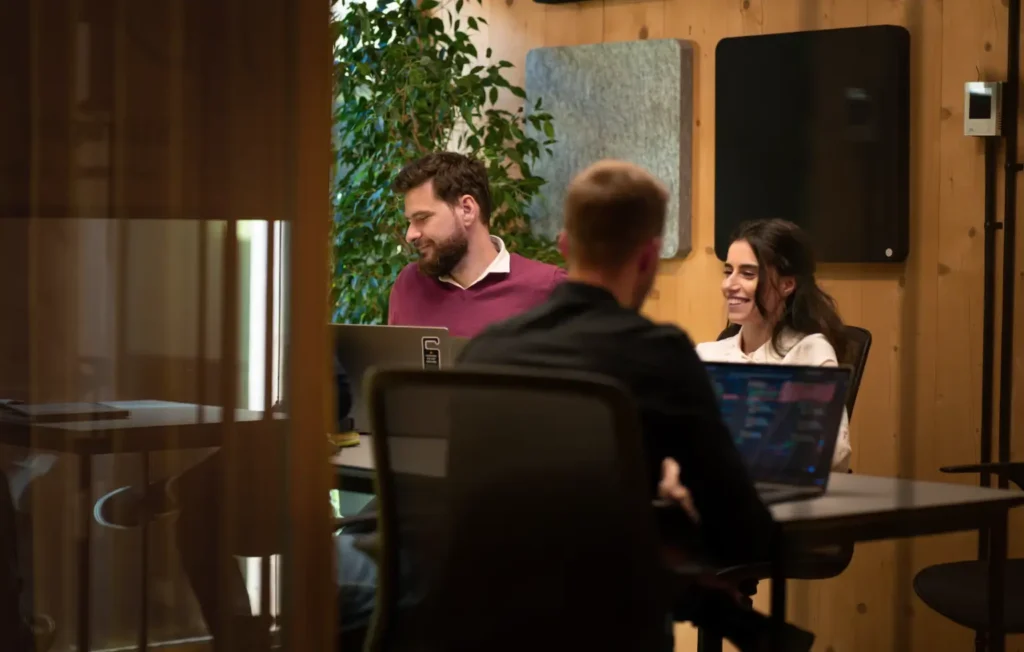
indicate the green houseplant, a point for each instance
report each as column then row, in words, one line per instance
column 408, row 81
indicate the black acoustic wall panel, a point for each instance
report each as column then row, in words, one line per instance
column 814, row 127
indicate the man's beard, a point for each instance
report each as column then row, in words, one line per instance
column 444, row 257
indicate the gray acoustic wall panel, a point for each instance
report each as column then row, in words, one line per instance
column 631, row 101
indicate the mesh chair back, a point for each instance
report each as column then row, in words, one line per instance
column 514, row 513
column 858, row 345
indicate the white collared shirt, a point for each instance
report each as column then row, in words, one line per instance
column 795, row 349
column 501, row 264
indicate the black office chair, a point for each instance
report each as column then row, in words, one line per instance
column 858, row 345
column 514, row 514
column 959, row 590
column 820, row 563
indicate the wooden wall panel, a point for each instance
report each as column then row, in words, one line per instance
column 919, row 405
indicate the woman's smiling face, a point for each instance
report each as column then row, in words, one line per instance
column 739, row 287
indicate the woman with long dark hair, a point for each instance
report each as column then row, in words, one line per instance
column 784, row 316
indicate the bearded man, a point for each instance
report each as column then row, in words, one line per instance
column 465, row 278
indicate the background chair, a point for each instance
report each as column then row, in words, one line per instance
column 858, row 345
column 959, row 590
column 820, row 563
column 514, row 514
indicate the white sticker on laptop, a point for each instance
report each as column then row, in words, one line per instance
column 431, row 352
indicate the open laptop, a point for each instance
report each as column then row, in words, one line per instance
column 360, row 347
column 785, row 422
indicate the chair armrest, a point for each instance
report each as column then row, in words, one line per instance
column 367, row 518
column 1012, row 471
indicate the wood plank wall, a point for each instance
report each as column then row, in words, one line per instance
column 919, row 405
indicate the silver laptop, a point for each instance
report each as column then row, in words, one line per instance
column 785, row 422
column 361, row 347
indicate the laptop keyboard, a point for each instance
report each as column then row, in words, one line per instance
column 771, row 494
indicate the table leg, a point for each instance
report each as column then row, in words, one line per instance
column 144, row 574
column 84, row 550
column 996, row 583
column 265, row 578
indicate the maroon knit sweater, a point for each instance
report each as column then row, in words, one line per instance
column 419, row 300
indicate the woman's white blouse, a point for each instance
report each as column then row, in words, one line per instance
column 796, row 349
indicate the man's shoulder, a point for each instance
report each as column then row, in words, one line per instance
column 504, row 338
column 623, row 351
column 669, row 339
column 638, row 329
column 410, row 273
column 518, row 324
column 411, row 277
column 489, row 342
column 528, row 267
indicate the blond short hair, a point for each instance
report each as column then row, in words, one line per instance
column 611, row 209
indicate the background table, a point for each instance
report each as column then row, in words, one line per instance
column 865, row 508
column 354, row 466
column 151, row 426
column 855, row 509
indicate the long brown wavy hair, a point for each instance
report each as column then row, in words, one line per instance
column 782, row 246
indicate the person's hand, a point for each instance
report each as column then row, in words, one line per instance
column 670, row 488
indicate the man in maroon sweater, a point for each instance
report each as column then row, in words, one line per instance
column 465, row 278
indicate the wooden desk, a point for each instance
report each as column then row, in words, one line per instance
column 856, row 509
column 866, row 508
column 355, row 468
column 859, row 508
column 151, row 426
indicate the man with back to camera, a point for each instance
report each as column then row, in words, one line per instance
column 614, row 217
column 465, row 278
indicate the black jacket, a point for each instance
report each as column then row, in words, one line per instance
column 584, row 328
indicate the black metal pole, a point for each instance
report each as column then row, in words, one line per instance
column 989, row 319
column 1010, row 105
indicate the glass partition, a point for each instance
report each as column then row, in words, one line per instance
column 162, row 165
